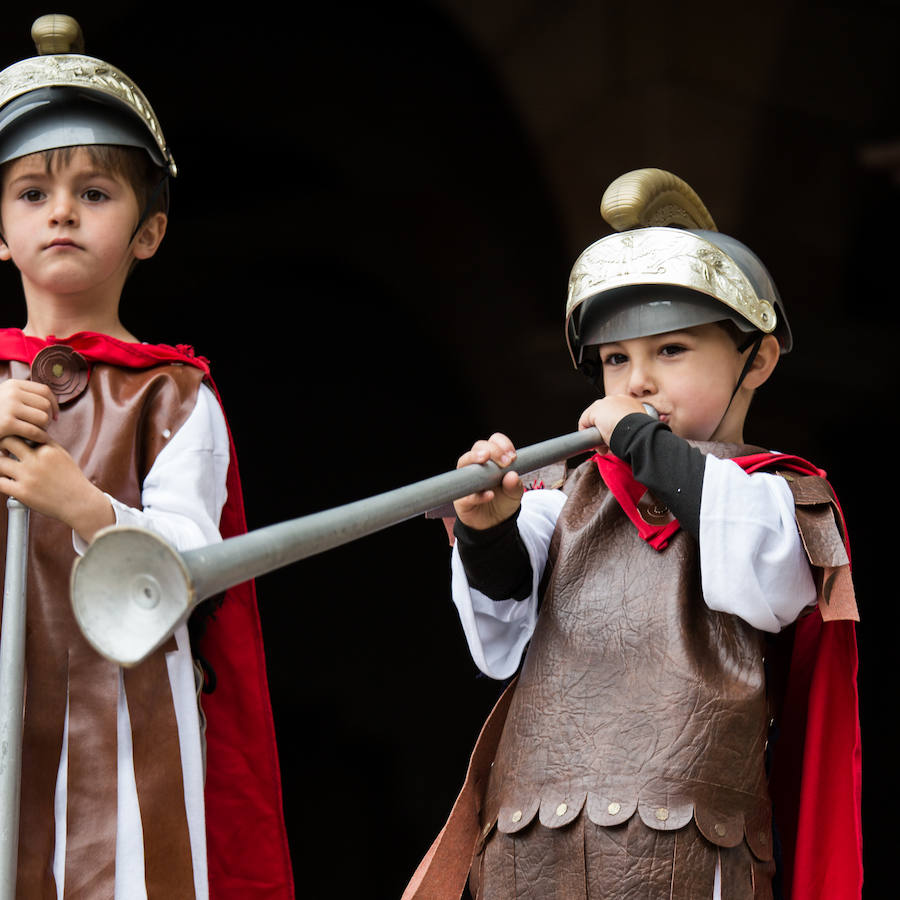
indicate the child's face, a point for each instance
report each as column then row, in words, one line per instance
column 688, row 376
column 68, row 230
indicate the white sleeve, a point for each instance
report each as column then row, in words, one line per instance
column 497, row 631
column 184, row 491
column 752, row 560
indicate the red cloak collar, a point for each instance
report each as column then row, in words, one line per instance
column 617, row 475
column 96, row 347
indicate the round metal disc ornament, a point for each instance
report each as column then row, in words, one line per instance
column 64, row 370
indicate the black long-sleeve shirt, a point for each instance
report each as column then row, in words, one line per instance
column 495, row 559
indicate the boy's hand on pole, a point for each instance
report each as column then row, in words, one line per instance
column 26, row 409
column 606, row 413
column 491, row 507
column 46, row 479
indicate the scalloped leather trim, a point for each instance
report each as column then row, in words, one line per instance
column 725, row 831
column 758, row 834
column 603, row 810
column 661, row 814
column 514, row 818
column 556, row 811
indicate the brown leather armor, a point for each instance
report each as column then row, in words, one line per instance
column 633, row 751
column 114, row 430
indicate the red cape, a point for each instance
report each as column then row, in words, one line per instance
column 247, row 843
column 816, row 774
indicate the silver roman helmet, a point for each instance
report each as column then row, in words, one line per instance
column 665, row 269
column 62, row 98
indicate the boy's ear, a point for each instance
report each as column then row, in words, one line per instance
column 764, row 364
column 150, row 236
column 4, row 250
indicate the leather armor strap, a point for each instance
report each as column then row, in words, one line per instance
column 443, row 872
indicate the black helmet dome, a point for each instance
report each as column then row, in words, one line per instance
column 62, row 98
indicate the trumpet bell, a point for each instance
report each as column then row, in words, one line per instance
column 130, row 590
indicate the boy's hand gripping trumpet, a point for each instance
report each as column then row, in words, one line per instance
column 131, row 589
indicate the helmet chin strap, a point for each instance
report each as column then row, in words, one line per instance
column 754, row 342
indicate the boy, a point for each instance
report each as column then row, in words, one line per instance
column 98, row 429
column 632, row 761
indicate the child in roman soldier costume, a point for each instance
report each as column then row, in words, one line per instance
column 677, row 610
column 98, row 429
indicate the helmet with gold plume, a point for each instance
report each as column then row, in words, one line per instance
column 62, row 98
column 666, row 268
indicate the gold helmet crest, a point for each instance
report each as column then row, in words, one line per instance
column 63, row 98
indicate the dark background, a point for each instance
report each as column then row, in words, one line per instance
column 370, row 238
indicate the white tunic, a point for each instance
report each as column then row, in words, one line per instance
column 182, row 498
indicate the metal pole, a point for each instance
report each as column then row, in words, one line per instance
column 131, row 589
column 12, row 691
column 219, row 566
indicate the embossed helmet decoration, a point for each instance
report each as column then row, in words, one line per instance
column 62, row 98
column 665, row 269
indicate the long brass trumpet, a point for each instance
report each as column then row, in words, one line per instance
column 131, row 589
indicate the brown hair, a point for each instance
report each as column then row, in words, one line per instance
column 131, row 163
column 739, row 337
